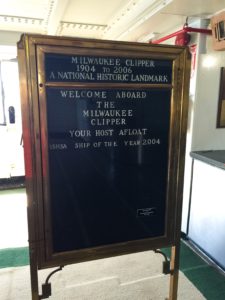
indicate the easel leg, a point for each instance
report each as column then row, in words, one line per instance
column 174, row 267
column 34, row 275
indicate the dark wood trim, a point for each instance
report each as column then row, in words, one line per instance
column 221, row 101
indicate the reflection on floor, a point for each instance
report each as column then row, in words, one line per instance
column 14, row 251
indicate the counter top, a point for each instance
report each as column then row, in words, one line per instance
column 213, row 157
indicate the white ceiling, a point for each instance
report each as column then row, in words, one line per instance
column 131, row 20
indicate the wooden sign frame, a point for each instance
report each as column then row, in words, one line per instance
column 35, row 82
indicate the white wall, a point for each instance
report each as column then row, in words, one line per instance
column 11, row 152
column 204, row 92
column 205, row 135
column 9, row 38
column 199, row 41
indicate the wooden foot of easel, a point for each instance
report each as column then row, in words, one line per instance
column 169, row 267
column 174, row 272
column 46, row 287
column 172, row 267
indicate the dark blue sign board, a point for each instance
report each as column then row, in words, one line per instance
column 108, row 160
column 108, row 149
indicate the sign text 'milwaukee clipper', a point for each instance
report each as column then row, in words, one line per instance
column 107, row 69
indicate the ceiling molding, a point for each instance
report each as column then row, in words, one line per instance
column 147, row 37
column 132, row 15
column 128, row 20
column 15, row 20
column 82, row 29
column 82, row 26
column 54, row 14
